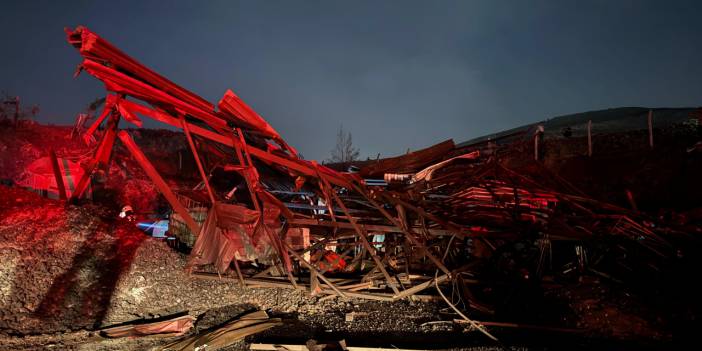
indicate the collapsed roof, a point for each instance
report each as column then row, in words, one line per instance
column 440, row 214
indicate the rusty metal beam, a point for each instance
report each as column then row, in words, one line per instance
column 158, row 181
column 409, row 234
column 186, row 130
column 299, row 166
column 362, row 234
column 57, row 174
column 102, row 154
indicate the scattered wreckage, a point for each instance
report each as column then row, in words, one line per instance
column 460, row 219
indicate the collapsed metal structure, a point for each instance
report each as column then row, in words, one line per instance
column 440, row 216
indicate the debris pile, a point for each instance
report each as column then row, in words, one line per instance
column 176, row 326
column 444, row 216
column 54, row 266
column 227, row 334
column 489, row 228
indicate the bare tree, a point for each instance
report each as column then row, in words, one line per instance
column 344, row 152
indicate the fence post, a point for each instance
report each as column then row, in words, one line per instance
column 539, row 132
column 589, row 138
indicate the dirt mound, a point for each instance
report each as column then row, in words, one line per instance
column 61, row 263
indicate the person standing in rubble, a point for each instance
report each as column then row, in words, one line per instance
column 127, row 213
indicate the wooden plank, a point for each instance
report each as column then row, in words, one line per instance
column 253, row 282
column 223, row 336
column 419, row 287
column 314, row 283
column 291, row 347
column 367, row 296
column 359, row 286
column 264, row 272
column 238, row 273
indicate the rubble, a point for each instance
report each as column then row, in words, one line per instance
column 456, row 209
column 223, row 336
column 487, row 228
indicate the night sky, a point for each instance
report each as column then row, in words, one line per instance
column 397, row 74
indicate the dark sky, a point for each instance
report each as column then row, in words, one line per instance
column 397, row 74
